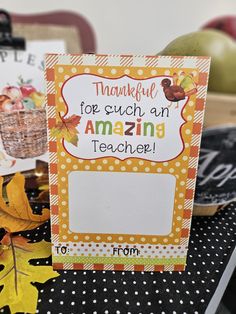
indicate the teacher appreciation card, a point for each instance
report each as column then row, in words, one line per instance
column 124, row 137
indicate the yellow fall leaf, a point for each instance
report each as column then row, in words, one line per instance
column 18, row 275
column 18, row 215
column 66, row 129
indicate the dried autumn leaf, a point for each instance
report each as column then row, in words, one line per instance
column 18, row 215
column 71, row 121
column 74, row 140
column 18, row 275
column 66, row 128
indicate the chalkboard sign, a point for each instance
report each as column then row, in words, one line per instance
column 216, row 180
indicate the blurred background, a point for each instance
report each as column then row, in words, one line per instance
column 146, row 28
column 137, row 27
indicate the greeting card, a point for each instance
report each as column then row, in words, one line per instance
column 124, row 136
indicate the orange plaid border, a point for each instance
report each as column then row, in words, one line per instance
column 149, row 61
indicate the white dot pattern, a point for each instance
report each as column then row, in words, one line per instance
column 212, row 241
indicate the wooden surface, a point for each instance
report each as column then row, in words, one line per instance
column 205, row 210
column 47, row 32
column 82, row 30
column 220, row 109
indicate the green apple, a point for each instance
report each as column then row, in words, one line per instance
column 219, row 46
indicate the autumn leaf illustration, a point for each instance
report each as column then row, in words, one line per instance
column 66, row 128
column 18, row 275
column 17, row 215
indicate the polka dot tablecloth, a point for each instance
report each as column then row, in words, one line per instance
column 212, row 242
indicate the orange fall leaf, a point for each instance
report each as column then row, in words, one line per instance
column 17, row 215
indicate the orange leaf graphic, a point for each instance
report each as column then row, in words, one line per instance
column 66, row 128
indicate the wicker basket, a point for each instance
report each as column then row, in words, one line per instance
column 24, row 133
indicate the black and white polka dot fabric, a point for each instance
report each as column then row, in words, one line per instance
column 212, row 241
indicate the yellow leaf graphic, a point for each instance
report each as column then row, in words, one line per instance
column 17, row 215
column 55, row 132
column 74, row 140
column 66, row 128
column 18, row 275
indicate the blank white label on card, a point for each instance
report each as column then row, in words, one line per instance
column 121, row 203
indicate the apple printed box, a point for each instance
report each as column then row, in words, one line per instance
column 23, row 128
column 124, row 137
